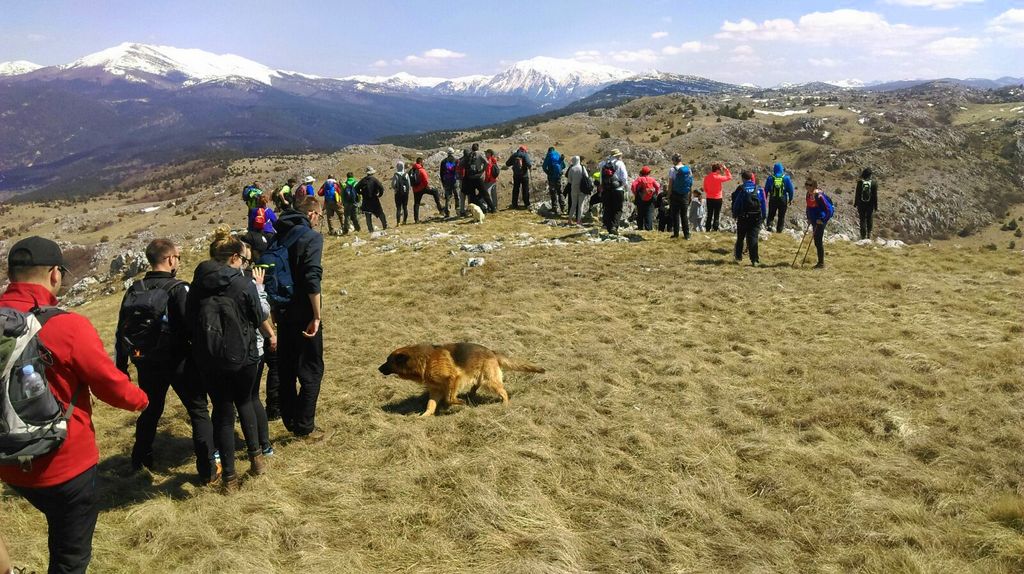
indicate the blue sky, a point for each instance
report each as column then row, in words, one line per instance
column 760, row 42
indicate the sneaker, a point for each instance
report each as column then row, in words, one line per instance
column 820, row 265
column 686, row 237
column 269, row 451
column 755, row 263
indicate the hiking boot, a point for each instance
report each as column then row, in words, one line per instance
column 314, row 436
column 231, row 484
column 820, row 265
column 755, row 263
column 258, row 464
column 686, row 237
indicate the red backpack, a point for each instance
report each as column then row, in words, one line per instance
column 261, row 218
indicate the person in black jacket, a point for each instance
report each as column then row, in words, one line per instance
column 301, row 350
column 168, row 364
column 371, row 190
column 521, row 165
column 231, row 386
column 865, row 199
column 474, row 164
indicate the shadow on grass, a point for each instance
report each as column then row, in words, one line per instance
column 705, row 262
column 416, row 404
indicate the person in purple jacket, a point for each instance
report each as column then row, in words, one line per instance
column 262, row 218
column 749, row 208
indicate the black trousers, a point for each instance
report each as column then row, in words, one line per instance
column 451, row 193
column 418, row 197
column 520, row 183
column 777, row 205
column 819, row 242
column 71, row 511
column 746, row 230
column 677, row 213
column 184, row 379
column 645, row 215
column 301, row 360
column 867, row 219
column 476, row 192
column 230, row 390
column 401, row 207
column 269, row 363
column 611, row 210
column 557, row 196
column 714, row 207
column 380, row 215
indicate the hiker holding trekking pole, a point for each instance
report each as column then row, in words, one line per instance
column 819, row 211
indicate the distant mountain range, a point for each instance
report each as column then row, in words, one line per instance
column 84, row 125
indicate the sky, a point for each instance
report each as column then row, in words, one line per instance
column 765, row 43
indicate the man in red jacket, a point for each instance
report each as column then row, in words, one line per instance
column 421, row 187
column 62, row 484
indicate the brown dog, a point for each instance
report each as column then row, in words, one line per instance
column 446, row 369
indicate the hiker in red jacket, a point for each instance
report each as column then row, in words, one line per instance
column 645, row 191
column 713, row 191
column 62, row 484
column 491, row 178
column 420, row 187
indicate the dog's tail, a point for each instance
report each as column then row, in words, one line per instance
column 511, row 364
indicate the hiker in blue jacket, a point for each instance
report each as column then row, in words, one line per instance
column 680, row 183
column 819, row 211
column 554, row 167
column 748, row 208
column 779, row 189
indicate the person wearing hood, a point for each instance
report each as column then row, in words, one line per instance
column 749, row 207
column 580, row 186
column 301, row 350
column 219, row 281
column 448, row 172
column 370, row 190
column 521, row 165
column 401, row 185
column 350, row 204
column 554, row 166
column 420, row 187
column 865, row 199
column 331, row 192
column 680, row 185
column 779, row 189
column 645, row 190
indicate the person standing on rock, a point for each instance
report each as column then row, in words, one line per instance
column 420, row 187
column 749, row 208
column 553, row 167
column 162, row 355
column 865, row 199
column 779, row 188
column 680, row 183
column 401, row 185
column 614, row 181
column 521, row 165
column 370, row 190
column 449, row 182
column 713, row 192
column 819, row 211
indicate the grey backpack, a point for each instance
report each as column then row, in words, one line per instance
column 32, row 421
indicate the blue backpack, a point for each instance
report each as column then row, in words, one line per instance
column 681, row 182
column 830, row 207
column 278, row 282
column 330, row 192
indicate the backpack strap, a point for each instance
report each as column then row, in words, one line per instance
column 44, row 314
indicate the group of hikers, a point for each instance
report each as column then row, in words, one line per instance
column 575, row 191
column 254, row 307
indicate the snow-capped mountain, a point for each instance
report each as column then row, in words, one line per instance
column 134, row 62
column 553, row 79
column 466, row 85
column 399, row 81
column 17, row 67
column 847, row 83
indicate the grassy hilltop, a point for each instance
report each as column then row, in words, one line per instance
column 696, row 416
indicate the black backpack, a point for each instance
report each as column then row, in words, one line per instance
column 145, row 332
column 751, row 204
column 222, row 334
column 477, row 164
column 414, row 177
column 586, row 183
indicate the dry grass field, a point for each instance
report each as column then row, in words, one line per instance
column 696, row 416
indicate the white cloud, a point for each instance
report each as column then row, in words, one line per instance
column 743, row 25
column 837, row 27
column 587, row 56
column 380, row 64
column 659, row 35
column 953, row 47
column 1009, row 23
column 824, row 62
column 431, row 57
column 933, row 4
column 694, row 47
column 634, row 56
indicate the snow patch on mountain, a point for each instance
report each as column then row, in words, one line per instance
column 401, row 80
column 553, row 78
column 129, row 60
column 848, row 83
column 17, row 68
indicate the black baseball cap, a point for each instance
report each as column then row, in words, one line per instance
column 35, row 251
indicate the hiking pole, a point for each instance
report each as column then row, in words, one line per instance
column 800, row 246
column 807, row 252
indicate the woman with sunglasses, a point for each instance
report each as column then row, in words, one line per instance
column 224, row 312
